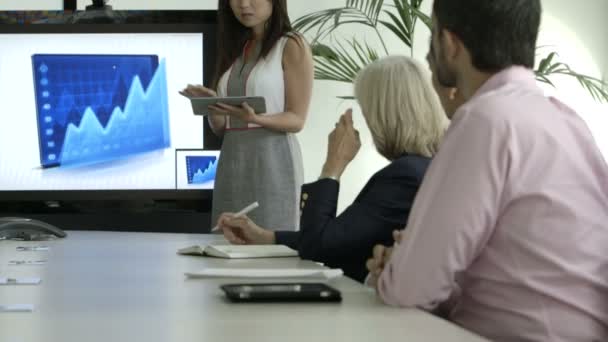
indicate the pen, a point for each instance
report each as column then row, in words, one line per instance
column 245, row 210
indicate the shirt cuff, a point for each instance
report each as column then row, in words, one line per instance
column 367, row 280
column 322, row 188
column 289, row 239
column 330, row 177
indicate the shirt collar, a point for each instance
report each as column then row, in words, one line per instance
column 514, row 74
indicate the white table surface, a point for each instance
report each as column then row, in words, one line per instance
column 108, row 286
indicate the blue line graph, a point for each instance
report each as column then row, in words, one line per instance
column 201, row 169
column 95, row 108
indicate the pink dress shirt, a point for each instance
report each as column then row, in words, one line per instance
column 511, row 221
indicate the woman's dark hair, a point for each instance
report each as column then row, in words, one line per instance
column 497, row 33
column 232, row 35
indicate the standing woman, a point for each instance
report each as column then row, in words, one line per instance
column 260, row 160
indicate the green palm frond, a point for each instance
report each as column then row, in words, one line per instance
column 371, row 8
column 402, row 20
column 426, row 19
column 548, row 66
column 343, row 63
column 364, row 12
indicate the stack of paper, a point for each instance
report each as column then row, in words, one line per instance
column 265, row 273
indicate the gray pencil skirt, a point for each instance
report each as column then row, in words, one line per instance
column 260, row 165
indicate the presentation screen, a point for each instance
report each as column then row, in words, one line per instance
column 101, row 111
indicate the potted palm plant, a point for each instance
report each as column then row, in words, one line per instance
column 343, row 61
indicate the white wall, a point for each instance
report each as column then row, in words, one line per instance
column 577, row 30
column 30, row 5
column 325, row 111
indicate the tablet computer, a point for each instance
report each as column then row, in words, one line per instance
column 200, row 105
column 282, row 292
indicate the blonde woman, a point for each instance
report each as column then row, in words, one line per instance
column 407, row 122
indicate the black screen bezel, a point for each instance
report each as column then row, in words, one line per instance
column 196, row 21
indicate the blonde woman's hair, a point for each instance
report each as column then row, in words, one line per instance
column 401, row 108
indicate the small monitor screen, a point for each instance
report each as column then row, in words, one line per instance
column 196, row 169
column 100, row 111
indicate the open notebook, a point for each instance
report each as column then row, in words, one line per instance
column 240, row 251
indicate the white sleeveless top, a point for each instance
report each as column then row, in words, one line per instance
column 266, row 79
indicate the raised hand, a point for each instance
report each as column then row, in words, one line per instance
column 343, row 145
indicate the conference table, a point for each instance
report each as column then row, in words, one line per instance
column 110, row 286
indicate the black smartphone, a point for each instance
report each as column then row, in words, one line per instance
column 282, row 292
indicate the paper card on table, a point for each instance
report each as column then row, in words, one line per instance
column 265, row 273
column 32, row 248
column 27, row 262
column 20, row 281
column 17, row 308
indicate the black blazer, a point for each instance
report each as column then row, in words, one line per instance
column 347, row 241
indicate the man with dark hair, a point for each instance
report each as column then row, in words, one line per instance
column 508, row 234
column 510, row 41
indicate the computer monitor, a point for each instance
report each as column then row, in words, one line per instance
column 92, row 111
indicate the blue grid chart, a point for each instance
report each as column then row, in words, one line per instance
column 95, row 108
column 201, row 169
